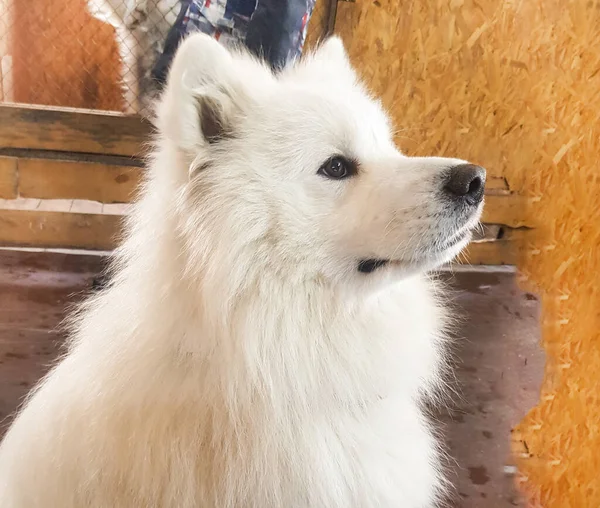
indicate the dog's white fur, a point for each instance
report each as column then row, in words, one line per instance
column 239, row 358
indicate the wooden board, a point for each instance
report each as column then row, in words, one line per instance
column 8, row 178
column 66, row 179
column 71, row 130
column 498, row 252
column 24, row 228
column 85, row 155
column 93, row 231
column 496, row 185
column 106, row 182
column 509, row 210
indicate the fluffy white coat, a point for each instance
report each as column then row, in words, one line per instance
column 239, row 358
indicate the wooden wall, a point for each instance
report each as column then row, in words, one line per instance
column 68, row 154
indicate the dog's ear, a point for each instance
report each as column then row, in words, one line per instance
column 330, row 59
column 202, row 95
column 332, row 51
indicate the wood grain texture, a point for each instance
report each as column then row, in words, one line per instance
column 94, row 231
column 67, row 179
column 508, row 210
column 69, row 130
column 502, row 249
column 8, row 178
column 25, row 228
column 498, row 252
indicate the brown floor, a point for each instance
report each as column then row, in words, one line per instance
column 499, row 374
column 499, row 362
column 35, row 292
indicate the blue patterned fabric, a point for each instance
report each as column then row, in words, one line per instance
column 272, row 29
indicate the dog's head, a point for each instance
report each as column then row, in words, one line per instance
column 299, row 169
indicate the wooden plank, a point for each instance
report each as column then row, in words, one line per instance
column 54, row 205
column 502, row 251
column 69, row 179
column 19, row 204
column 8, row 178
column 113, row 183
column 71, row 130
column 78, row 206
column 24, row 228
column 486, row 233
column 509, row 210
column 100, row 232
column 496, row 185
column 116, row 208
column 499, row 252
column 27, row 228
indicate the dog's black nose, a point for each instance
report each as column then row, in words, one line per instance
column 465, row 182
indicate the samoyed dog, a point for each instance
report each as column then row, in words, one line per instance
column 270, row 334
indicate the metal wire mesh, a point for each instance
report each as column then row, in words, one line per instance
column 93, row 54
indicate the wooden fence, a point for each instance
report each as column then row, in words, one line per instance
column 70, row 154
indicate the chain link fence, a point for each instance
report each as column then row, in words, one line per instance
column 100, row 54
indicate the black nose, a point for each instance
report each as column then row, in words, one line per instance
column 466, row 183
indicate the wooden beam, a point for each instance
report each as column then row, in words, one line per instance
column 70, row 130
column 24, row 228
column 496, row 185
column 498, row 252
column 8, row 178
column 116, row 183
column 510, row 210
column 70, row 179
column 501, row 251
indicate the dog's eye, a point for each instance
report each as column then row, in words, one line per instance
column 337, row 168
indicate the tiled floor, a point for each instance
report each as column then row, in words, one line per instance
column 499, row 368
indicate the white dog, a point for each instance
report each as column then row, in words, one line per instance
column 269, row 334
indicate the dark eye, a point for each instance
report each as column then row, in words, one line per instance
column 337, row 168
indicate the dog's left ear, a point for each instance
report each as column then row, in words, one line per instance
column 202, row 95
column 332, row 50
column 331, row 60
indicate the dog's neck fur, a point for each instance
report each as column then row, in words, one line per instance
column 287, row 342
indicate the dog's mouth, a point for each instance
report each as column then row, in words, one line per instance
column 371, row 265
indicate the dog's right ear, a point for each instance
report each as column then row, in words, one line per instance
column 201, row 97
